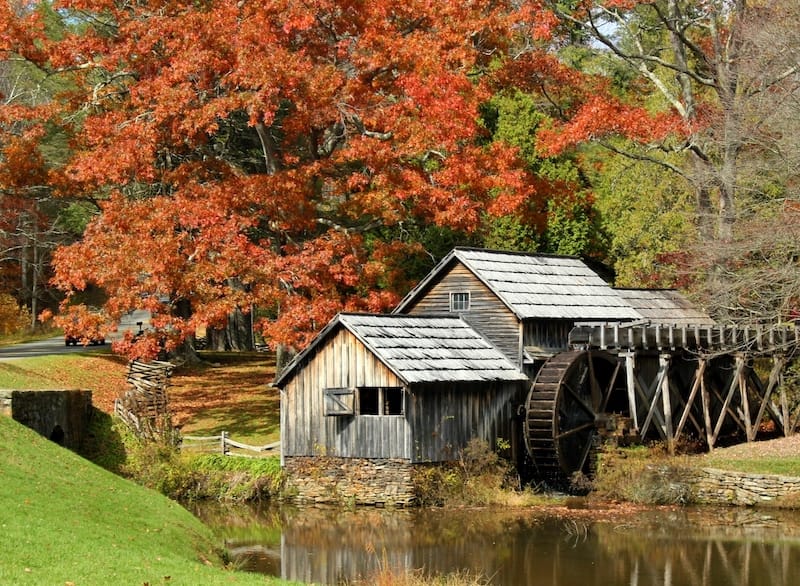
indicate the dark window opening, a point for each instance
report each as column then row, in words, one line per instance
column 369, row 401
column 393, row 401
column 380, row 401
column 459, row 301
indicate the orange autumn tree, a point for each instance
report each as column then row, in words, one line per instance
column 270, row 154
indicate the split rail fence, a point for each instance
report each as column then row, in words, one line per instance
column 223, row 444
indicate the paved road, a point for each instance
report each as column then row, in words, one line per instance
column 56, row 345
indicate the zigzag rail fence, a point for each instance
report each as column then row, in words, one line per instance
column 223, row 444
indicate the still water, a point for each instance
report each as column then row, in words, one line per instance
column 559, row 546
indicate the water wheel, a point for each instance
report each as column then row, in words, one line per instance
column 567, row 404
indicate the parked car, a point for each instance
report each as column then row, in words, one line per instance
column 84, row 327
column 74, row 340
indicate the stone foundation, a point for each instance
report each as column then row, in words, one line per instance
column 61, row 416
column 356, row 481
column 711, row 486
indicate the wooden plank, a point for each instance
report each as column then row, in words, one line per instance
column 696, row 382
column 664, row 364
column 765, row 394
column 743, row 396
column 630, row 358
column 655, row 389
column 726, row 402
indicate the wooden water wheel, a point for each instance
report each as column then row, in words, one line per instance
column 566, row 406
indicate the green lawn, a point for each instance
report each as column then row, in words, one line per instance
column 67, row 521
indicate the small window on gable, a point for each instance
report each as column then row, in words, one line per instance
column 459, row 301
column 339, row 401
column 380, row 401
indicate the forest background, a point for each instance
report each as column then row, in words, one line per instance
column 252, row 168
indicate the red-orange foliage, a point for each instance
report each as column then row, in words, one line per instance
column 267, row 152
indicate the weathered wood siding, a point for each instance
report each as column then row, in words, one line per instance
column 547, row 333
column 341, row 362
column 445, row 417
column 487, row 313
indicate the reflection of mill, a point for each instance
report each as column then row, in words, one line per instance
column 662, row 548
column 737, row 547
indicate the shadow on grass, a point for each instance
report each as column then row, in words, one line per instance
column 104, row 444
column 228, row 392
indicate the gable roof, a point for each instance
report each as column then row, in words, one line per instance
column 419, row 349
column 665, row 306
column 535, row 285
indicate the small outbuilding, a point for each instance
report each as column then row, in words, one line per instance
column 375, row 394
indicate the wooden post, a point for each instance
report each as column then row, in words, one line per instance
column 223, row 440
column 656, row 389
column 778, row 362
column 706, row 407
column 742, row 366
column 727, row 401
column 698, row 378
column 630, row 359
column 664, row 364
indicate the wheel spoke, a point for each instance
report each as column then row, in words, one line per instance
column 579, row 400
column 574, row 430
column 594, row 387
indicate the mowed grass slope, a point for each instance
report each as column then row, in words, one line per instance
column 66, row 521
column 225, row 392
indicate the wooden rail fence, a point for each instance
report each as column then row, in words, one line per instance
column 223, row 444
column 144, row 405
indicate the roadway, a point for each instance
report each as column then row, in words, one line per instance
column 56, row 345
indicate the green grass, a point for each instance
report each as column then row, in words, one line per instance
column 763, row 465
column 28, row 336
column 57, row 371
column 67, row 521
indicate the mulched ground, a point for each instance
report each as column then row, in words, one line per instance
column 775, row 448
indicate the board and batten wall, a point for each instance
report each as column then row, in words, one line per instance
column 342, row 361
column 487, row 314
column 444, row 417
column 552, row 334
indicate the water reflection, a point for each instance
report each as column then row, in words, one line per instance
column 683, row 547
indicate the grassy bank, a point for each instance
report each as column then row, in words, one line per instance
column 67, row 521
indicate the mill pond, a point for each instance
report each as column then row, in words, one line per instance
column 574, row 545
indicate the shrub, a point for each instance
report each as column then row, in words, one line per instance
column 13, row 318
column 479, row 477
column 641, row 475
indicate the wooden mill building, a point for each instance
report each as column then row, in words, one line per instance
column 374, row 395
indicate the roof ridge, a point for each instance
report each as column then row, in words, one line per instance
column 515, row 252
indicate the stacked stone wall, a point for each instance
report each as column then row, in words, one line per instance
column 62, row 416
column 356, row 481
column 712, row 486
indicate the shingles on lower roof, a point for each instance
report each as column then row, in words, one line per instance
column 545, row 286
column 664, row 306
column 431, row 349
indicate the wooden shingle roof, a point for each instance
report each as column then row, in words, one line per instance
column 421, row 349
column 664, row 306
column 537, row 285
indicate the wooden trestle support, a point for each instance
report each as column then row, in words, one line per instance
column 657, row 381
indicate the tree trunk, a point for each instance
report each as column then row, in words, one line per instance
column 236, row 336
column 187, row 351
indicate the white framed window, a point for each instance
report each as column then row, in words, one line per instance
column 459, row 301
column 339, row 401
column 381, row 401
